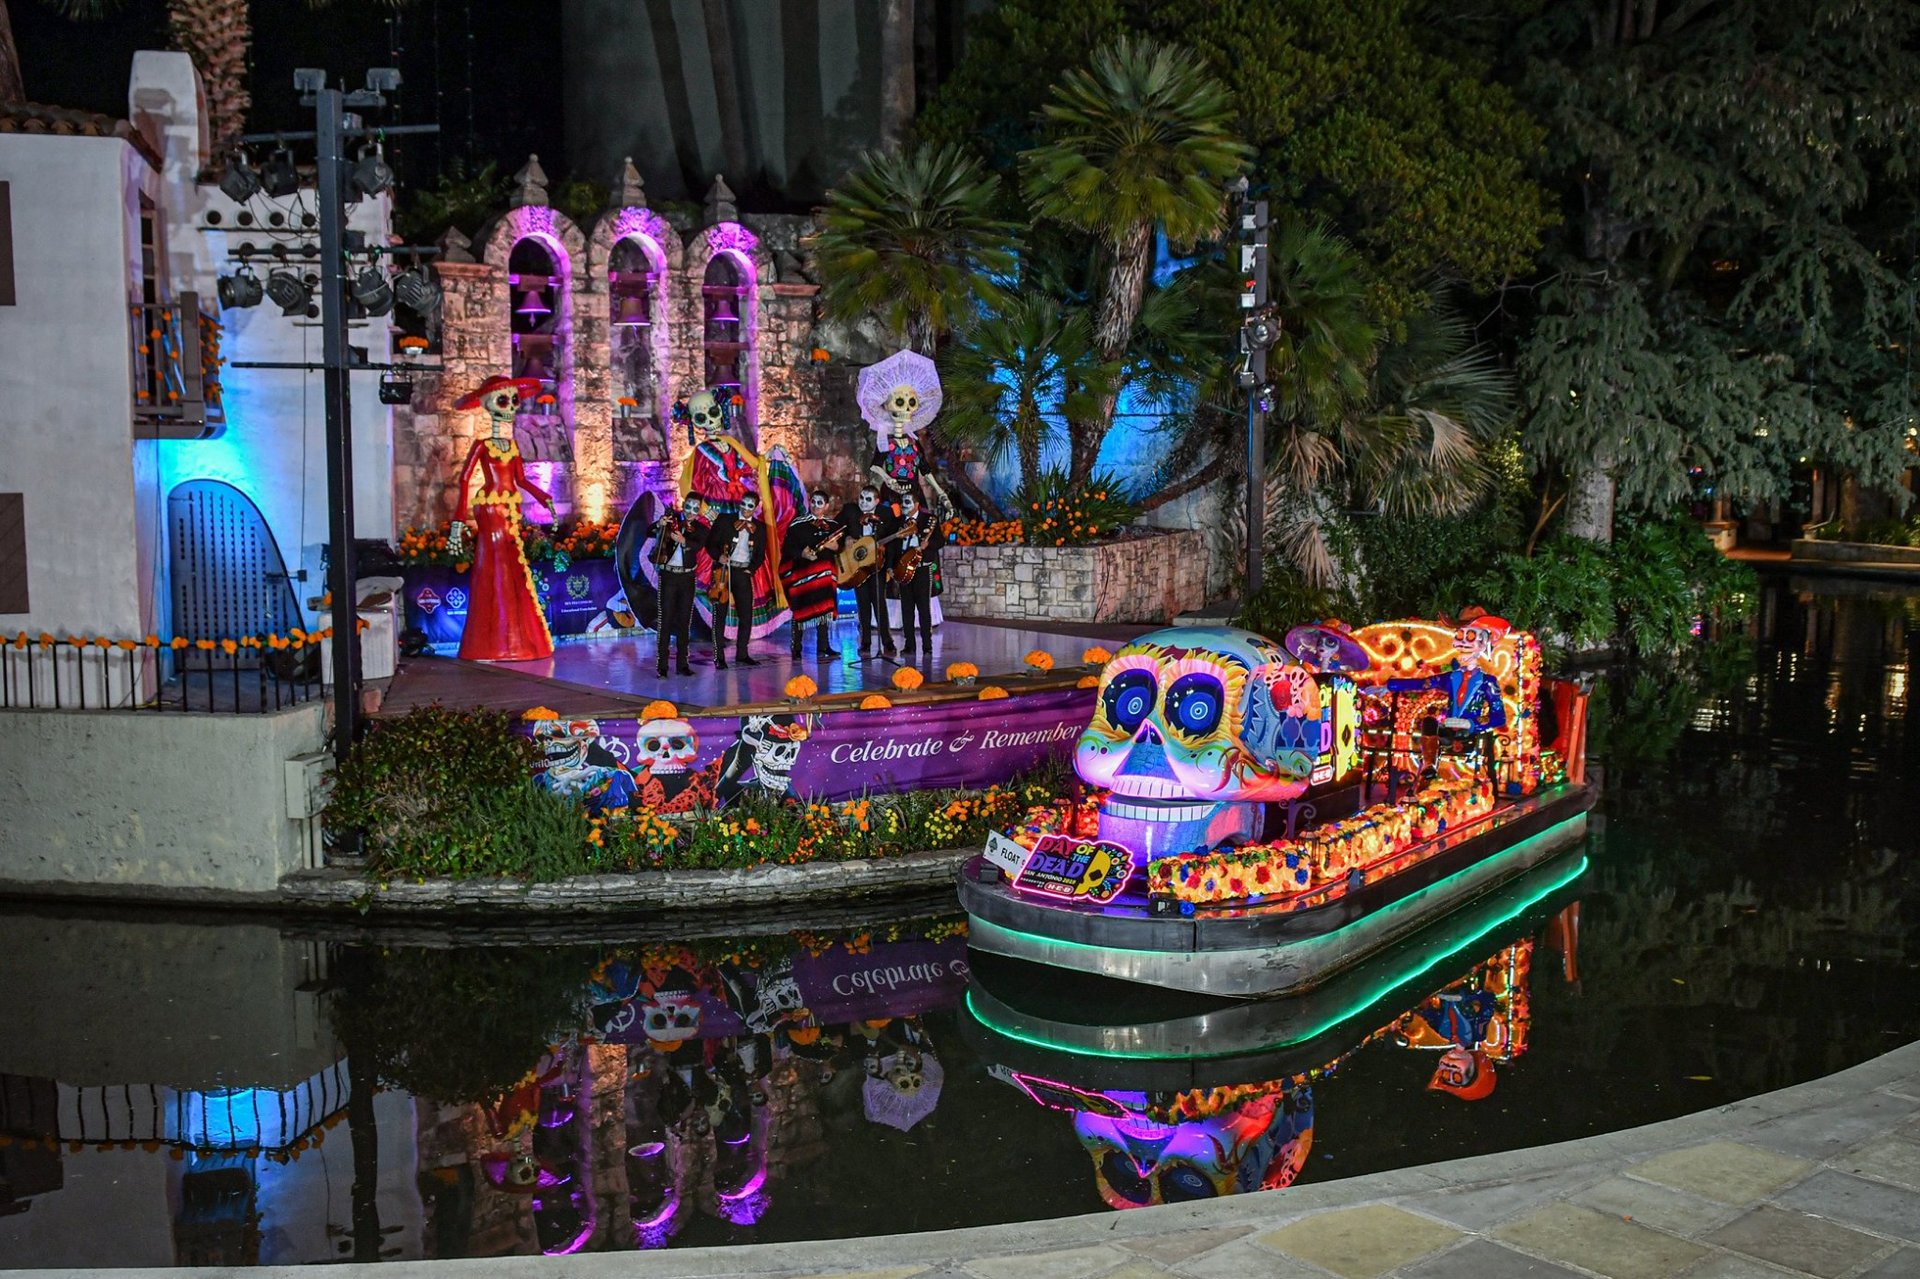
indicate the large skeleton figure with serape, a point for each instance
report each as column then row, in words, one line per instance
column 721, row 469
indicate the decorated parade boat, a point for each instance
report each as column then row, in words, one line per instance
column 1266, row 815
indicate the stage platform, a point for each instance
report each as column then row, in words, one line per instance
column 615, row 677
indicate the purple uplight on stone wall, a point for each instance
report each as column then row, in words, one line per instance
column 733, row 238
column 640, row 222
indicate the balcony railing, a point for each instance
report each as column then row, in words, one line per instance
column 176, row 368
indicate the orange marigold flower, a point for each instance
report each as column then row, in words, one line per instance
column 992, row 692
column 1096, row 656
column 962, row 670
column 907, row 679
column 178, row 641
column 228, row 647
column 660, row 708
column 875, row 702
column 538, row 713
column 1087, row 681
column 205, row 645
column 1040, row 660
column 801, row 686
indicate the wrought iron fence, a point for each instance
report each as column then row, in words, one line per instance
column 255, row 675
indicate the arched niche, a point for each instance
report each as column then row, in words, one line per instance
column 537, row 250
column 729, row 268
column 633, row 260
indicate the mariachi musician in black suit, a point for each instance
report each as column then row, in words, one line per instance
column 867, row 518
column 738, row 547
column 676, row 547
column 911, row 560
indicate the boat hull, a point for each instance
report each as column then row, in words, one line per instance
column 1253, row 952
column 1107, row 1037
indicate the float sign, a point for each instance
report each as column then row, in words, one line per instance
column 1009, row 856
column 1093, row 870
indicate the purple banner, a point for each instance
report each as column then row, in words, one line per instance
column 679, row 765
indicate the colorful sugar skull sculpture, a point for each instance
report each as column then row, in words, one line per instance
column 1194, row 730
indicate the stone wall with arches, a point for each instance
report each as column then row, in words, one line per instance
column 612, row 392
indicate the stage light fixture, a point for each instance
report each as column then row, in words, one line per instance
column 240, row 289
column 289, row 292
column 278, row 176
column 239, row 183
column 372, row 174
column 372, row 292
column 417, row 291
column 396, row 388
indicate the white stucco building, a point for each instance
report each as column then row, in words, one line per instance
column 112, row 521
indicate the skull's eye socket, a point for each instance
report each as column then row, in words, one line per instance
column 1124, row 1178
column 677, row 743
column 652, row 745
column 1129, row 699
column 1194, row 704
column 1181, row 1183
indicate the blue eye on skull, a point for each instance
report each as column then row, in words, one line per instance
column 1195, row 703
column 1129, row 697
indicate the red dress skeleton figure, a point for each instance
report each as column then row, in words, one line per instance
column 505, row 622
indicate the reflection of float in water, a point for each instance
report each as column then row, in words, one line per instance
column 1163, row 1125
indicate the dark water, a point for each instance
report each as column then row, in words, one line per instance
column 178, row 1090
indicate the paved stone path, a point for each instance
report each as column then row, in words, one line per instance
column 1821, row 1180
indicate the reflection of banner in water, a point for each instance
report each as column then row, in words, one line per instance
column 892, row 979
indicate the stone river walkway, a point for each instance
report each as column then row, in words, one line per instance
column 1822, row 1179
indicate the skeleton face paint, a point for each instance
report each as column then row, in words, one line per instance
column 868, row 501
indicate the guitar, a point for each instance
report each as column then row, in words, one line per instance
column 910, row 560
column 860, row 558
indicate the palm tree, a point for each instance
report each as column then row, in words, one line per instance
column 913, row 237
column 12, row 88
column 1401, row 425
column 216, row 34
column 1139, row 140
column 1017, row 368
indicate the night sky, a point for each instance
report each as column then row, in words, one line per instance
column 515, row 107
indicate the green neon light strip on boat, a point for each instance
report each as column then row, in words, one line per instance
column 1377, row 995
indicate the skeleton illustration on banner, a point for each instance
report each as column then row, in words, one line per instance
column 661, row 769
column 899, row 397
column 721, row 470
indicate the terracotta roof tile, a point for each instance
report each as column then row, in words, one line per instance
column 37, row 117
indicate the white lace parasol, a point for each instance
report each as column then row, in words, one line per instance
column 902, row 368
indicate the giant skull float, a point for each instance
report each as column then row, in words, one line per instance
column 1194, row 730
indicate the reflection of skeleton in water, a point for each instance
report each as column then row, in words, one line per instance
column 578, row 761
column 768, row 747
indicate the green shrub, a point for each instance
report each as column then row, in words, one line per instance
column 1054, row 512
column 1285, row 601
column 1564, row 594
column 414, row 785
